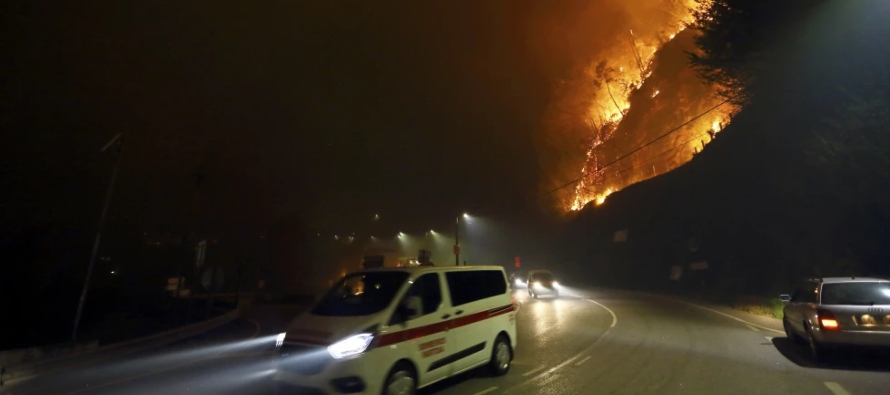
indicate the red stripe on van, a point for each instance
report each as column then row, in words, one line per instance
column 415, row 333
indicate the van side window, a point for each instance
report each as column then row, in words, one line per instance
column 424, row 297
column 470, row 286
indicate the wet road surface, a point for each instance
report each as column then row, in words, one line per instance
column 583, row 342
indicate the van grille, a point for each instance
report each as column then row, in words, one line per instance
column 303, row 359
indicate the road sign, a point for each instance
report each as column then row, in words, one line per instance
column 517, row 262
column 457, row 249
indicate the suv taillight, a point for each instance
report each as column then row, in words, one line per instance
column 826, row 319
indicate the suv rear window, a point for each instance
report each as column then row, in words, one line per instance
column 856, row 293
column 470, row 286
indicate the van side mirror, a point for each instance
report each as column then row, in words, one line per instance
column 413, row 307
column 407, row 310
column 785, row 298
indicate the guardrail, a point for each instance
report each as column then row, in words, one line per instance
column 21, row 370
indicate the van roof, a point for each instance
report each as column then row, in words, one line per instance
column 415, row 269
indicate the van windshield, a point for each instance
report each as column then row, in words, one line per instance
column 360, row 294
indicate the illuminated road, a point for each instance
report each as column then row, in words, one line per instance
column 598, row 342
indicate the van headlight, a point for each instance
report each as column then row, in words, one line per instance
column 279, row 340
column 350, row 346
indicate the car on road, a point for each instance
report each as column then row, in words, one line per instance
column 519, row 279
column 542, row 282
column 839, row 311
column 395, row 330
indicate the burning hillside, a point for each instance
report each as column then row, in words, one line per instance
column 632, row 107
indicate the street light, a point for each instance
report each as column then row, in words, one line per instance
column 86, row 282
column 457, row 238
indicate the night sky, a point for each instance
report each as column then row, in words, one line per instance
column 332, row 110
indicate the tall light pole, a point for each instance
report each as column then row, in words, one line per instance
column 457, row 238
column 457, row 241
column 86, row 283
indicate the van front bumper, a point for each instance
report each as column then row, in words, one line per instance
column 318, row 373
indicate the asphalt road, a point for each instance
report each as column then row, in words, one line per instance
column 591, row 342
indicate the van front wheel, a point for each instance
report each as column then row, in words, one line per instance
column 401, row 380
column 501, row 356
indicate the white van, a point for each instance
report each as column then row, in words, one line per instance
column 394, row 330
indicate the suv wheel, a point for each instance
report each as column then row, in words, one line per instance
column 816, row 349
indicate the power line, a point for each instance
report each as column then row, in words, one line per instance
column 642, row 146
column 675, row 147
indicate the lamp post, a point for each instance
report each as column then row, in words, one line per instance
column 86, row 283
column 457, row 238
column 457, row 241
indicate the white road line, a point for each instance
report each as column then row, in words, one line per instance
column 769, row 338
column 485, row 391
column 572, row 359
column 548, row 380
column 725, row 315
column 836, row 388
column 533, row 371
column 582, row 361
column 614, row 318
column 753, row 328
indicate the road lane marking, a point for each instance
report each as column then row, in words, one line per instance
column 548, row 380
column 753, row 328
column 485, row 391
column 614, row 317
column 533, row 371
column 769, row 338
column 725, row 315
column 836, row 388
column 582, row 361
column 572, row 359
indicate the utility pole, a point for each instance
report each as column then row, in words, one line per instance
column 86, row 283
column 457, row 241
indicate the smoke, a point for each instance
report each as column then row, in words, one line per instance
column 620, row 79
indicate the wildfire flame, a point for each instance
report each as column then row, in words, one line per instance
column 614, row 84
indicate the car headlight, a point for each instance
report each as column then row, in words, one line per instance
column 555, row 284
column 279, row 340
column 536, row 284
column 350, row 346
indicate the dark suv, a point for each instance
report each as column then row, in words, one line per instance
column 541, row 282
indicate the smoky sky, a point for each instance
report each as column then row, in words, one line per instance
column 236, row 113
